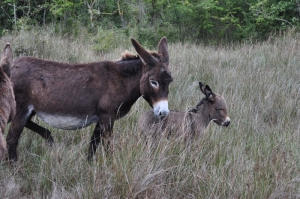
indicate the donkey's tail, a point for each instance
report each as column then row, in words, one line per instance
column 7, row 59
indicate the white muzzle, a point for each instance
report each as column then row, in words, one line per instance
column 161, row 109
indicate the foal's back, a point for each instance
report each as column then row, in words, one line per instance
column 176, row 122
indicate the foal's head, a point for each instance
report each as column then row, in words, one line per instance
column 216, row 106
column 154, row 84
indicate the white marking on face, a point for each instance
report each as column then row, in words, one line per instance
column 67, row 122
column 227, row 119
column 161, row 108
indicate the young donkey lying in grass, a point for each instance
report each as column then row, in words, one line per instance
column 192, row 123
column 7, row 98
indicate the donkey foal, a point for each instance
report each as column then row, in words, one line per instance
column 7, row 98
column 192, row 123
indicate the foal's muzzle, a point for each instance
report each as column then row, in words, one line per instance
column 227, row 122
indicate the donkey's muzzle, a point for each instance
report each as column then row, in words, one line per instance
column 161, row 109
column 227, row 122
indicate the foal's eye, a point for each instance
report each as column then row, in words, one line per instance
column 154, row 83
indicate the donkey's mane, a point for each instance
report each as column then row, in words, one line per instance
column 195, row 109
column 129, row 69
column 129, row 56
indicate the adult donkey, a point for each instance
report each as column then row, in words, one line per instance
column 73, row 96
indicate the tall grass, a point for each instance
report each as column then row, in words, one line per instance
column 257, row 156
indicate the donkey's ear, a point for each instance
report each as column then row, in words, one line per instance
column 202, row 86
column 144, row 54
column 6, row 59
column 163, row 49
column 207, row 91
column 7, row 53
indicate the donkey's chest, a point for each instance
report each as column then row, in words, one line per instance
column 67, row 122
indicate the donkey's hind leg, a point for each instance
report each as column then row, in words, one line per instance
column 45, row 133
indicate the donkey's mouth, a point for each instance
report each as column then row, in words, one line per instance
column 226, row 124
column 161, row 117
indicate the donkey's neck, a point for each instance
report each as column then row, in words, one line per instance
column 130, row 68
column 131, row 72
column 202, row 115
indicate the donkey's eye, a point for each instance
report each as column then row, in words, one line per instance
column 154, row 83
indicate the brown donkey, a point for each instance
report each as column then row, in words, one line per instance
column 7, row 98
column 192, row 123
column 73, row 96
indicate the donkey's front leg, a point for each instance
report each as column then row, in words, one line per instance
column 94, row 142
column 103, row 133
column 106, row 139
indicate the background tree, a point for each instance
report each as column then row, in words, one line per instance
column 205, row 21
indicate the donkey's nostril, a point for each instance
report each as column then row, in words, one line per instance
column 162, row 117
column 161, row 109
column 227, row 123
column 163, row 114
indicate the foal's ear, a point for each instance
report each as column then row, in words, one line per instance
column 144, row 54
column 206, row 91
column 163, row 49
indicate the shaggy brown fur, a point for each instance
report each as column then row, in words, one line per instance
column 73, row 96
column 7, row 99
column 192, row 123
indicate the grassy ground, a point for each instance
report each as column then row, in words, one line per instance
column 257, row 156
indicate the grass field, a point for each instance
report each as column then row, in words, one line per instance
column 257, row 156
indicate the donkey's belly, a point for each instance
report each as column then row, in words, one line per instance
column 67, row 122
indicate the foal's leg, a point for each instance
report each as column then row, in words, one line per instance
column 16, row 128
column 45, row 133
